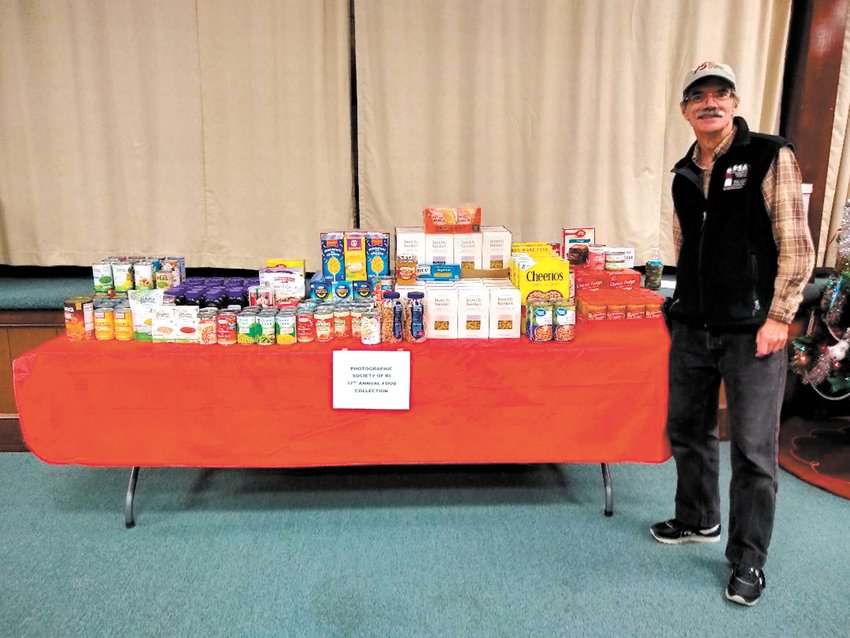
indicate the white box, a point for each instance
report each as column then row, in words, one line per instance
column 473, row 313
column 439, row 249
column 410, row 240
column 495, row 247
column 505, row 313
column 441, row 312
column 467, row 250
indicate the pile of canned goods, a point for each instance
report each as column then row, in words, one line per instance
column 550, row 320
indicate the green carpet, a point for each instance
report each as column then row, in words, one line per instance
column 422, row 551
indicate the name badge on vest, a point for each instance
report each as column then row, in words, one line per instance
column 736, row 177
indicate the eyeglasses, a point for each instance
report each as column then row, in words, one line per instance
column 698, row 97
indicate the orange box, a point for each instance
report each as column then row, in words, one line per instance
column 457, row 219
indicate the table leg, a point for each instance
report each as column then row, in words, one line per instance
column 609, row 492
column 129, row 521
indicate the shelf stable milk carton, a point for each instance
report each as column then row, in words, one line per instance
column 473, row 311
column 441, row 311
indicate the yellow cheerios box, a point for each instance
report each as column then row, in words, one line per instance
column 540, row 278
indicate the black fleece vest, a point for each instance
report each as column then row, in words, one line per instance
column 728, row 259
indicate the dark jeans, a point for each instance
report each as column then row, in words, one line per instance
column 699, row 359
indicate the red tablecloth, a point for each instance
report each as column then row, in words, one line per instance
column 601, row 398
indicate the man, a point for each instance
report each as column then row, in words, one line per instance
column 744, row 256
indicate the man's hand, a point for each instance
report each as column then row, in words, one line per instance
column 771, row 337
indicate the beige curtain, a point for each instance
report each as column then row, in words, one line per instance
column 547, row 113
column 216, row 129
column 837, row 190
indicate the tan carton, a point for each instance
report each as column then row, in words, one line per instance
column 439, row 249
column 467, row 250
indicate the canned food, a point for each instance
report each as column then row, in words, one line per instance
column 370, row 327
column 356, row 318
column 305, row 325
column 123, row 319
column 324, row 318
column 226, row 328
column 122, row 275
column 342, row 322
column 564, row 320
column 102, row 275
column 285, row 333
column 596, row 257
column 208, row 326
column 143, row 275
column 246, row 330
column 79, row 318
column 104, row 323
column 266, row 334
column 539, row 320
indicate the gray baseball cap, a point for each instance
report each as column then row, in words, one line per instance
column 709, row 70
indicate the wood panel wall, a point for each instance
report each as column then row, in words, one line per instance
column 20, row 331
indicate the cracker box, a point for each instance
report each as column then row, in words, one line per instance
column 333, row 255
column 575, row 242
column 467, row 250
column 495, row 247
column 441, row 311
column 410, row 240
column 296, row 265
column 354, row 253
column 377, row 254
column 473, row 312
column 505, row 312
column 439, row 249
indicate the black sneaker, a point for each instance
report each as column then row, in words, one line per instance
column 675, row 532
column 745, row 585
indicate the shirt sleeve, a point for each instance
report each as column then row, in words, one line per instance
column 677, row 237
column 783, row 198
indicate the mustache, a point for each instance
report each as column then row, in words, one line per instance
column 710, row 113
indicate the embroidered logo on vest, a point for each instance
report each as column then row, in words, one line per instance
column 736, row 177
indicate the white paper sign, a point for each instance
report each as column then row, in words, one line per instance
column 371, row 380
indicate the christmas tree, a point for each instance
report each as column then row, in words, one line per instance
column 820, row 356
